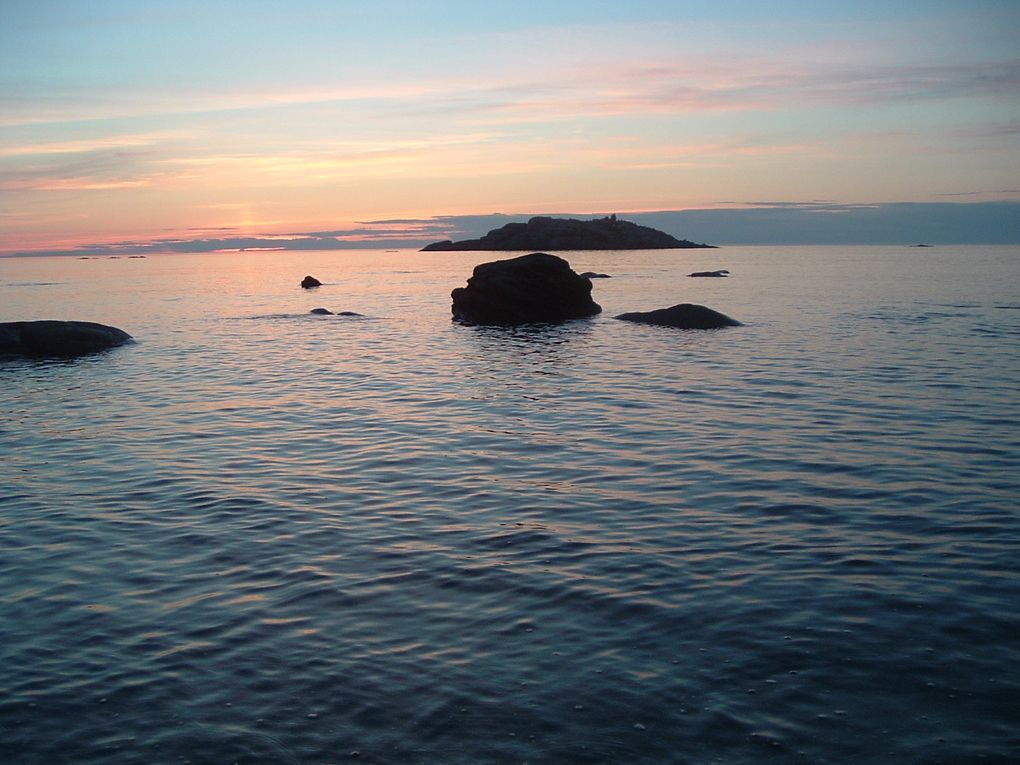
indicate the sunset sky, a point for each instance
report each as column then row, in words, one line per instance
column 132, row 122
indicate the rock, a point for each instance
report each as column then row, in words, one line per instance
column 593, row 275
column 58, row 338
column 532, row 288
column 545, row 233
column 720, row 272
column 327, row 312
column 682, row 316
column 310, row 281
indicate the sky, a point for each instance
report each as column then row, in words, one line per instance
column 209, row 124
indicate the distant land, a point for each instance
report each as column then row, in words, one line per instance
column 780, row 223
column 547, row 233
column 753, row 223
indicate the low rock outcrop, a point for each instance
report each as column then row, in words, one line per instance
column 310, row 281
column 682, row 316
column 545, row 233
column 719, row 273
column 327, row 312
column 532, row 288
column 593, row 275
column 58, row 339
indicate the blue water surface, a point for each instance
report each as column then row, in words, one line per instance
column 263, row 536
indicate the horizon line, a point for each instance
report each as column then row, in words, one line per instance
column 759, row 223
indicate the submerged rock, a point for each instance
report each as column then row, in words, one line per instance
column 532, row 288
column 720, row 272
column 327, row 312
column 682, row 316
column 545, row 233
column 58, row 338
column 310, row 281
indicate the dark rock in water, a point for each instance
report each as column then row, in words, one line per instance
column 310, row 281
column 58, row 338
column 327, row 312
column 544, row 233
column 682, row 316
column 593, row 275
column 532, row 288
column 720, row 272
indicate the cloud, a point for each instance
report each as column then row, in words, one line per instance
column 106, row 169
column 681, row 85
column 620, row 80
column 853, row 85
column 414, row 234
column 89, row 145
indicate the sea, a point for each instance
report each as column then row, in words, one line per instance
column 260, row 535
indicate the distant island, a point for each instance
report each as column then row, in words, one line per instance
column 545, row 233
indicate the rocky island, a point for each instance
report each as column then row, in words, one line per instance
column 545, row 233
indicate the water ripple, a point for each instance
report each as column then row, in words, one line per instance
column 275, row 538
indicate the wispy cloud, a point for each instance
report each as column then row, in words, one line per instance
column 590, row 88
column 89, row 171
column 103, row 143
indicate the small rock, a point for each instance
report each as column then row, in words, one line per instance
column 310, row 281
column 322, row 311
column 682, row 316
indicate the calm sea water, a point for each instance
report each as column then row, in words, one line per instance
column 262, row 536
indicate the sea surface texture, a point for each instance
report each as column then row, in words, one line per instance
column 263, row 536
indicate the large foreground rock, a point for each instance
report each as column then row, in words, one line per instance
column 682, row 316
column 532, row 288
column 58, row 338
column 545, row 233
